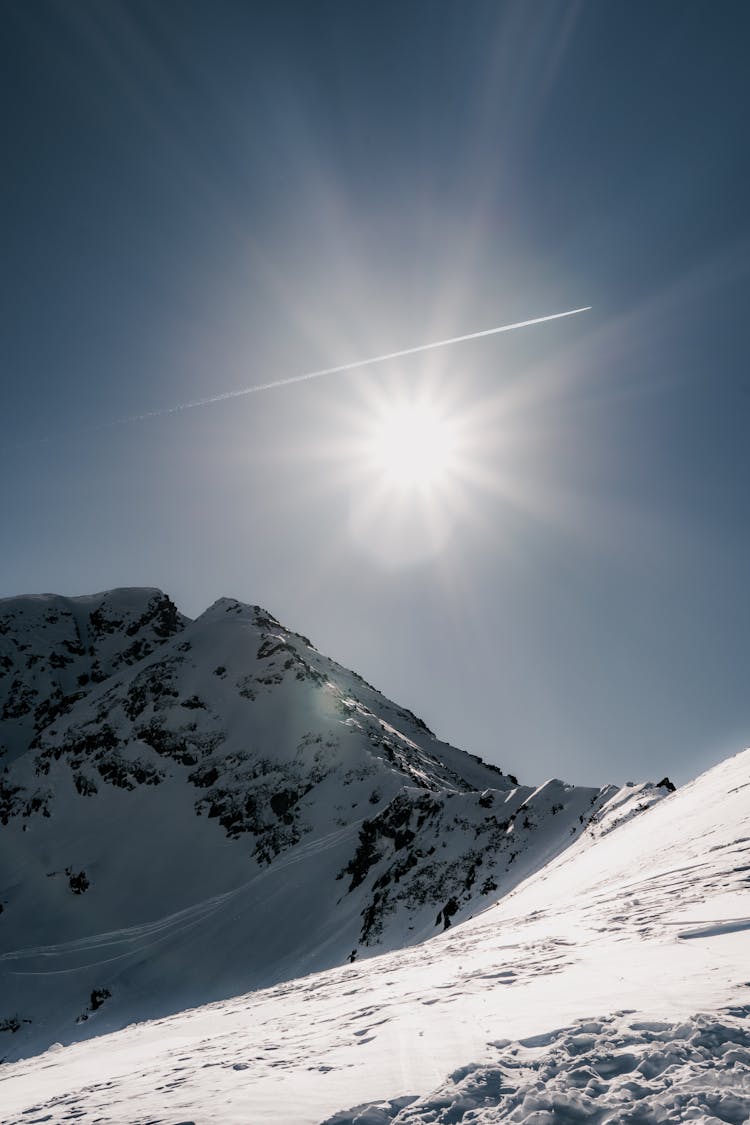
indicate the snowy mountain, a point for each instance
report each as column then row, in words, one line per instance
column 611, row 986
column 190, row 809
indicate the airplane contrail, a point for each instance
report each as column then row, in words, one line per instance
column 317, row 375
column 242, row 391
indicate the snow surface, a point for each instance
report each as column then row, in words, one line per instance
column 612, row 985
column 613, row 1069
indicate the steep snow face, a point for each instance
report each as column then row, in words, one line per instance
column 204, row 807
column 612, row 985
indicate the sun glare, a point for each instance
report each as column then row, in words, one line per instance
column 412, row 445
column 410, row 453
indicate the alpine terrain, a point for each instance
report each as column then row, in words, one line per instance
column 210, row 826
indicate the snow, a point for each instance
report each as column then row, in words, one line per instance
column 611, row 985
column 611, row 1069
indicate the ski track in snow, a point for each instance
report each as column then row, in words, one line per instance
column 145, row 937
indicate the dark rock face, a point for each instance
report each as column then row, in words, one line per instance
column 54, row 650
column 78, row 881
column 96, row 1000
column 390, row 831
column 453, row 850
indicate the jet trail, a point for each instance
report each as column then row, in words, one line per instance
column 192, row 403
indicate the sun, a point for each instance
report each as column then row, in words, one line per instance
column 412, row 445
column 406, row 463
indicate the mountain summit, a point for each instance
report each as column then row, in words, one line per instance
column 190, row 809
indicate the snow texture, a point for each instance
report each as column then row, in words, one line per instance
column 614, row 1069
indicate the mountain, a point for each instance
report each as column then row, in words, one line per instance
column 611, row 986
column 191, row 809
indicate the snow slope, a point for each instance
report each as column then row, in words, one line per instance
column 612, row 985
column 192, row 809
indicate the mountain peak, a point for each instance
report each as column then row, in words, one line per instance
column 255, row 614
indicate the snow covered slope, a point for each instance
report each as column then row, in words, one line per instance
column 611, row 986
column 192, row 809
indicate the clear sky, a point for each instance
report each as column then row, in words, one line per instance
column 202, row 195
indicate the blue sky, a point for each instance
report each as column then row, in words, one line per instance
column 202, row 196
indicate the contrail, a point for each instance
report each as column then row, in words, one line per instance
column 242, row 391
column 349, row 366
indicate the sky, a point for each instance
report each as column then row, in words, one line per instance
column 199, row 197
